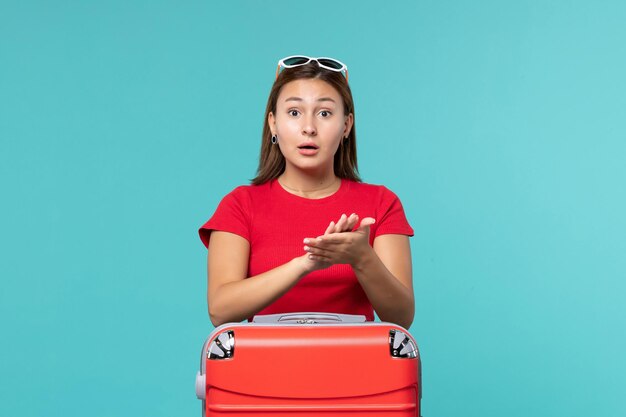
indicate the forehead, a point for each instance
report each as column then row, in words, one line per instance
column 310, row 89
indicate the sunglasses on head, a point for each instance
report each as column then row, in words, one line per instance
column 299, row 60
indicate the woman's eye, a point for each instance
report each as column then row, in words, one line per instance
column 294, row 113
column 324, row 113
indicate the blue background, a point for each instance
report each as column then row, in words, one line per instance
column 499, row 124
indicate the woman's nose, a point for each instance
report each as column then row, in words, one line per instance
column 308, row 128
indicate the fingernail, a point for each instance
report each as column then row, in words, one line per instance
column 306, row 249
column 306, row 241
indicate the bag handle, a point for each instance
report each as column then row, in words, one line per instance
column 308, row 318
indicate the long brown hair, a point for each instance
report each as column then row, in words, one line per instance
column 272, row 161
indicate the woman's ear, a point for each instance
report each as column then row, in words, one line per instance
column 348, row 125
column 271, row 121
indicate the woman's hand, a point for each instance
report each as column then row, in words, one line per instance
column 340, row 245
column 344, row 224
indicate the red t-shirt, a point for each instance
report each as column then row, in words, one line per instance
column 275, row 222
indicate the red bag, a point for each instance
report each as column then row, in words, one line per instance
column 309, row 364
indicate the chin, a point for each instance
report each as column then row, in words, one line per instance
column 309, row 168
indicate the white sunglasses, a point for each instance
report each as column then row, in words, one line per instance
column 299, row 60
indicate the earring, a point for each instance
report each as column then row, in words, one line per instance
column 274, row 139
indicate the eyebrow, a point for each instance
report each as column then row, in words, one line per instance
column 319, row 99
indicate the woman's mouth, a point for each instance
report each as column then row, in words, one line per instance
column 308, row 149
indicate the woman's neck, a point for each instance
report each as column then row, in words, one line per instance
column 310, row 187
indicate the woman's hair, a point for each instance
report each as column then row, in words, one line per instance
column 272, row 161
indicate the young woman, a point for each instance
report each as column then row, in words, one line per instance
column 307, row 234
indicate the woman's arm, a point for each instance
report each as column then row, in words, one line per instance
column 385, row 273
column 230, row 296
column 384, row 270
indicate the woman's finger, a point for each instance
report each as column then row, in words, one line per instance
column 365, row 223
column 323, row 244
column 319, row 254
column 352, row 221
column 325, row 261
column 313, row 250
column 329, row 240
column 341, row 223
column 309, row 241
column 330, row 228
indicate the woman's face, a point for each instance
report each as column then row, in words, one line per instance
column 310, row 124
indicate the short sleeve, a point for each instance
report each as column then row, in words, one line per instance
column 391, row 218
column 231, row 215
